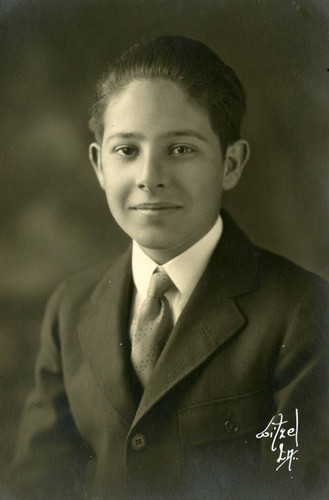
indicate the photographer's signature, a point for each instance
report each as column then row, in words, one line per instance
column 278, row 432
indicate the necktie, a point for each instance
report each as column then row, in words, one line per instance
column 153, row 324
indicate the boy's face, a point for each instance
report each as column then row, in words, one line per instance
column 162, row 168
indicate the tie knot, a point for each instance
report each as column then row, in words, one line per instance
column 159, row 284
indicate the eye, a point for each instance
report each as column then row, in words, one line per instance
column 181, row 150
column 127, row 151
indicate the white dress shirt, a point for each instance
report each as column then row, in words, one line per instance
column 185, row 271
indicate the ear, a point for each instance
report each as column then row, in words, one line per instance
column 96, row 161
column 237, row 155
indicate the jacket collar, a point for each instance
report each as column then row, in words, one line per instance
column 209, row 319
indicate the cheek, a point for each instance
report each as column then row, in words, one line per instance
column 117, row 191
column 209, row 198
column 208, row 186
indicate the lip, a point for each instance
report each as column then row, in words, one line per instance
column 156, row 210
column 161, row 205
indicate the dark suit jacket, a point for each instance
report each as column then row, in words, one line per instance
column 251, row 342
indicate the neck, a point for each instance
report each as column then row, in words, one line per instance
column 162, row 256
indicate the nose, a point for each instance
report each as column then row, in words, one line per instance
column 151, row 173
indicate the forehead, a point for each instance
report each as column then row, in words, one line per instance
column 155, row 107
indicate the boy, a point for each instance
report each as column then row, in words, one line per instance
column 195, row 365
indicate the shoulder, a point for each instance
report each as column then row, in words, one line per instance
column 298, row 301
column 289, row 302
column 273, row 276
column 84, row 285
column 282, row 270
column 280, row 276
column 279, row 291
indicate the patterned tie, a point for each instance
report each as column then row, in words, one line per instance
column 153, row 324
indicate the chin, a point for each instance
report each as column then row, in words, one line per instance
column 154, row 244
column 155, row 240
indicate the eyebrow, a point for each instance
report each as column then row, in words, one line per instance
column 174, row 133
column 190, row 133
column 123, row 135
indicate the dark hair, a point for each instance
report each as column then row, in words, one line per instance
column 189, row 63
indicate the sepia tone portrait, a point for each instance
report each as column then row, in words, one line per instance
column 164, row 295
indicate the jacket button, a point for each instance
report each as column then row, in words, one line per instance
column 138, row 442
column 231, row 426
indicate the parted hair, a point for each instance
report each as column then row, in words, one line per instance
column 193, row 66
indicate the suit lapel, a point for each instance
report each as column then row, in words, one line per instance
column 190, row 344
column 104, row 340
column 211, row 316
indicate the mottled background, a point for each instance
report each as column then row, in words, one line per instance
column 54, row 218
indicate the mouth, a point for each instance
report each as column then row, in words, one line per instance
column 158, row 208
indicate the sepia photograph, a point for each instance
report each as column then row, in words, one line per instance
column 164, row 288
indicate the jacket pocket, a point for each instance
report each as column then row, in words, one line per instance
column 222, row 419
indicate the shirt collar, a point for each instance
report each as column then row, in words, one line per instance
column 185, row 270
